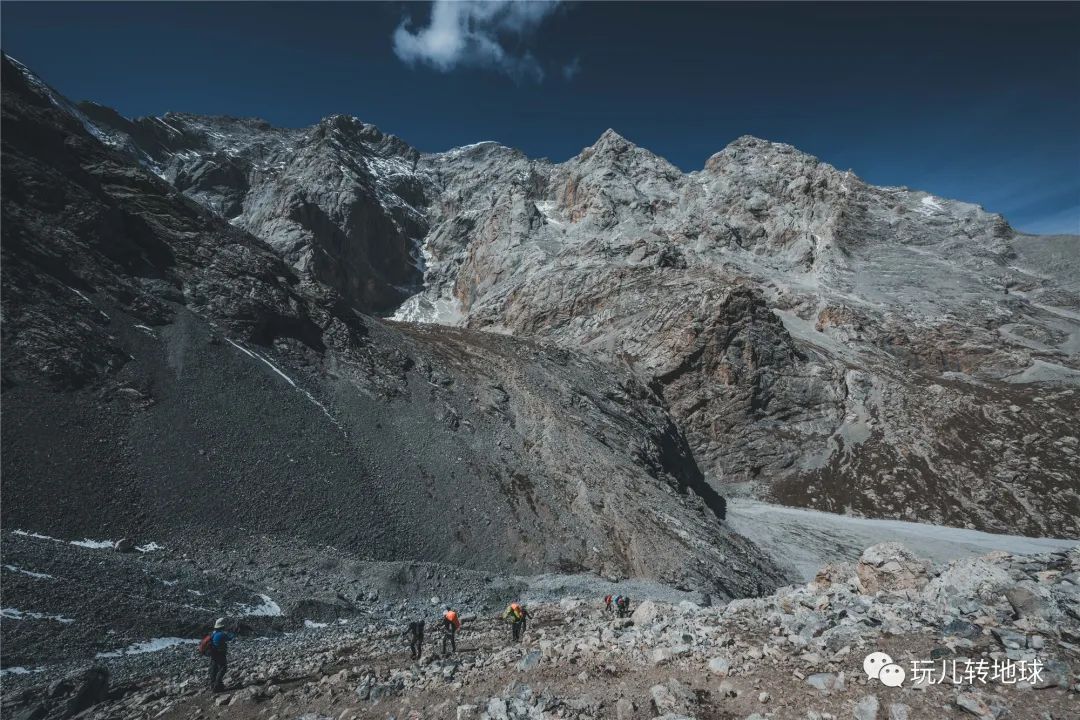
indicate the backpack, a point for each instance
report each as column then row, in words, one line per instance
column 205, row 644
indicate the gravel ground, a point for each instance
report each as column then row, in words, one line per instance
column 94, row 600
column 796, row 654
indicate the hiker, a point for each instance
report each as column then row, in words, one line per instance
column 416, row 638
column 518, row 615
column 623, row 605
column 450, row 626
column 616, row 601
column 216, row 647
column 607, row 604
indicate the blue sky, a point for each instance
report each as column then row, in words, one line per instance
column 969, row 101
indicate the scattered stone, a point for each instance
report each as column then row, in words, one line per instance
column 827, row 682
column 1053, row 673
column 962, row 628
column 866, row 708
column 1009, row 638
column 1026, row 604
column 982, row 705
column 719, row 666
column 832, row 574
column 664, row 654
column 890, row 567
column 899, row 711
column 672, row 697
column 662, row 699
column 530, row 661
column 496, row 709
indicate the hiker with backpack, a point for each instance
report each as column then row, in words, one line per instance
column 415, row 633
column 450, row 626
column 216, row 647
column 518, row 616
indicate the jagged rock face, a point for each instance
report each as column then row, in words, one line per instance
column 821, row 341
column 206, row 393
column 839, row 345
column 336, row 201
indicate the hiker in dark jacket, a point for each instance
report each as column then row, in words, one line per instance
column 416, row 638
column 218, row 652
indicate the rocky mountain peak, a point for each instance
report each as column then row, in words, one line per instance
column 611, row 141
column 355, row 134
column 611, row 148
column 614, row 173
column 751, row 150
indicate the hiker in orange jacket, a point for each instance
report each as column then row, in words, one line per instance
column 450, row 626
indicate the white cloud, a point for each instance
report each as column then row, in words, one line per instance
column 467, row 32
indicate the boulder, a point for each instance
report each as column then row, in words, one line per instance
column 1053, row 673
column 866, row 708
column 890, row 567
column 1031, row 605
column 969, row 580
column 530, row 661
column 664, row 654
column 645, row 613
column 827, row 682
column 833, row 574
column 982, row 705
column 962, row 628
column 899, row 711
column 1009, row 639
column 719, row 666
column 671, row 698
column 496, row 709
column 661, row 699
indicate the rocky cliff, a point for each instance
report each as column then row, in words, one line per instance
column 820, row 341
column 170, row 377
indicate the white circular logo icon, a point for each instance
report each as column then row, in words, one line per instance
column 892, row 675
column 874, row 662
